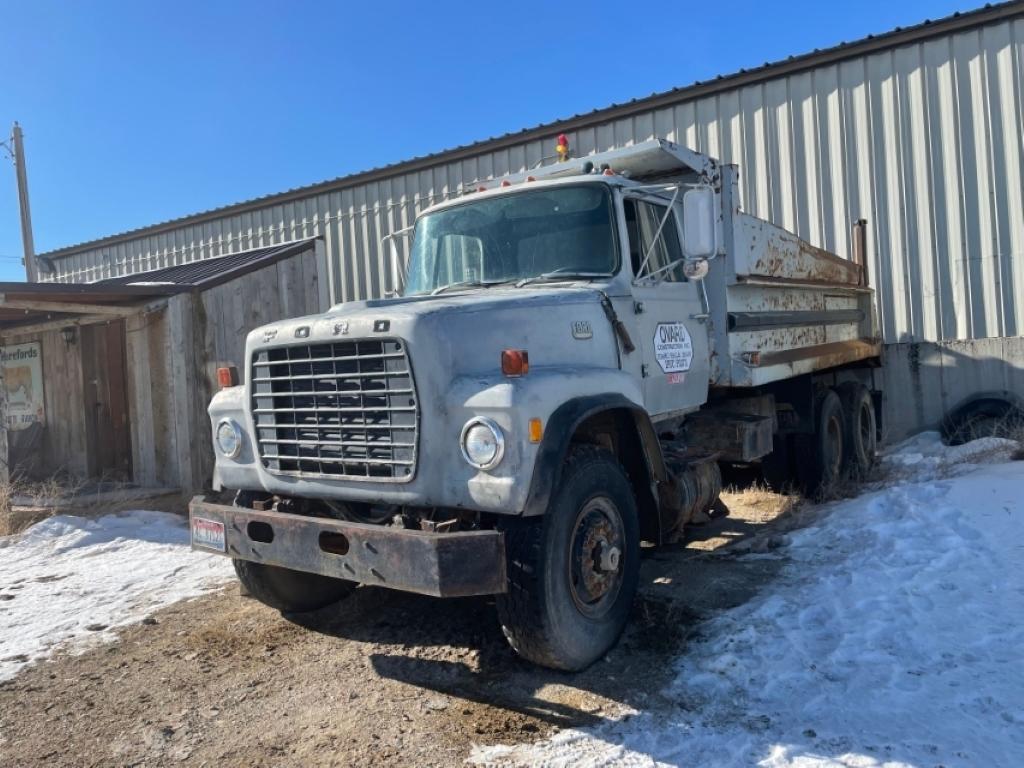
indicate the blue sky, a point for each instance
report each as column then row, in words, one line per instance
column 138, row 112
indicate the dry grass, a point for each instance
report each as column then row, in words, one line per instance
column 24, row 502
column 761, row 502
column 1016, row 433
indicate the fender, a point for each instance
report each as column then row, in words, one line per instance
column 547, row 469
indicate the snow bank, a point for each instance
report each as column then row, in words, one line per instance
column 895, row 636
column 69, row 581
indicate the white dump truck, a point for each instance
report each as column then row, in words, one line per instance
column 573, row 355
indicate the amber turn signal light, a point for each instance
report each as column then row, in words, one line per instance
column 536, row 430
column 515, row 362
column 227, row 376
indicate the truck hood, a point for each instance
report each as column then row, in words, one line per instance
column 464, row 333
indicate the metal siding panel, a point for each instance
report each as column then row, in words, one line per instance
column 884, row 141
column 965, row 57
column 907, row 68
column 801, row 133
column 1004, row 133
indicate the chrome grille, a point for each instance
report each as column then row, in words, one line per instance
column 344, row 409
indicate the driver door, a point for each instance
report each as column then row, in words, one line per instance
column 669, row 309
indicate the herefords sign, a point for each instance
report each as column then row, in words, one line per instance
column 23, row 378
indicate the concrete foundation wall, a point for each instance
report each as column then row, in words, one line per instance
column 923, row 381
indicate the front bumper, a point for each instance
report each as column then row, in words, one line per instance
column 455, row 564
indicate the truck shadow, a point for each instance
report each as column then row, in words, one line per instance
column 456, row 648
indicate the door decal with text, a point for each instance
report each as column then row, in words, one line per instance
column 673, row 348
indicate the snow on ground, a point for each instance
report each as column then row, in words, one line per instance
column 68, row 581
column 895, row 636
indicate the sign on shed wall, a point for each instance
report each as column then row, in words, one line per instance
column 23, row 378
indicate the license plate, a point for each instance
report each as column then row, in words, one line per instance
column 208, row 534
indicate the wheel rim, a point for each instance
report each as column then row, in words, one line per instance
column 834, row 433
column 596, row 557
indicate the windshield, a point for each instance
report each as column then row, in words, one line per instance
column 564, row 230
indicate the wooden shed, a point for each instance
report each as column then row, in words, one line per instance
column 112, row 379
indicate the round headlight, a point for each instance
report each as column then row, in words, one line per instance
column 229, row 438
column 482, row 443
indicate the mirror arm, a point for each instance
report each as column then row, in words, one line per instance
column 399, row 275
column 666, row 268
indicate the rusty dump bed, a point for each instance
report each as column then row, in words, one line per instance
column 782, row 307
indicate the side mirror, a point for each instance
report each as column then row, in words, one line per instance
column 699, row 223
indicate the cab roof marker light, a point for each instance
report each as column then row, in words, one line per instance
column 562, row 147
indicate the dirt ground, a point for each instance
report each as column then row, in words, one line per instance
column 383, row 678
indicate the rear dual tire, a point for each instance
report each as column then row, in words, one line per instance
column 861, row 438
column 844, row 442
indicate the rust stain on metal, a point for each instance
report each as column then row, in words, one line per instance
column 786, row 256
column 455, row 564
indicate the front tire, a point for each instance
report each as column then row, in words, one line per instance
column 290, row 591
column 572, row 575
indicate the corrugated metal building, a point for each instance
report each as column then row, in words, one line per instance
column 917, row 130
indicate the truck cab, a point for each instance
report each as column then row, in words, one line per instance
column 573, row 353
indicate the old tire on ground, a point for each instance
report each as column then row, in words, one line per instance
column 990, row 416
column 572, row 574
column 861, row 432
column 290, row 591
column 820, row 455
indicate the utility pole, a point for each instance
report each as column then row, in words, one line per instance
column 28, row 245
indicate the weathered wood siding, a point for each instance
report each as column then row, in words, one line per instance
column 154, row 437
column 64, row 441
column 220, row 321
column 174, row 353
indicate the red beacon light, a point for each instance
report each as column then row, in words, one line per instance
column 481, row 188
column 562, row 147
column 506, row 183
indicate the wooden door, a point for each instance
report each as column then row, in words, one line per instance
column 104, row 378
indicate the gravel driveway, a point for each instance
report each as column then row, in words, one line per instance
column 383, row 678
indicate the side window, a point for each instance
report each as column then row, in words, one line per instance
column 642, row 220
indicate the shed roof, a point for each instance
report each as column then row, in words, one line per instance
column 206, row 273
column 990, row 13
column 31, row 307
